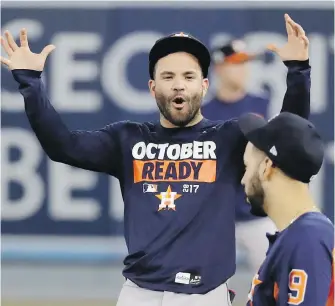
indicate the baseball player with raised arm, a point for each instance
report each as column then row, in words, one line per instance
column 181, row 235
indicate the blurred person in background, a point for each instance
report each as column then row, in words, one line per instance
column 231, row 101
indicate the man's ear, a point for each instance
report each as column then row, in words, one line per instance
column 266, row 169
column 152, row 87
column 205, row 85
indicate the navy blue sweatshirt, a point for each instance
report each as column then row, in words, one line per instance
column 179, row 185
column 221, row 110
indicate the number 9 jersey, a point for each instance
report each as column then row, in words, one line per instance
column 299, row 265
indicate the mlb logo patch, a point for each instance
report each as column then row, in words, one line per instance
column 150, row 188
column 182, row 278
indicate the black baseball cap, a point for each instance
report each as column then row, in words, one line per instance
column 290, row 141
column 179, row 42
column 233, row 52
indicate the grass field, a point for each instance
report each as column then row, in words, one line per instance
column 66, row 303
column 57, row 303
column 77, row 285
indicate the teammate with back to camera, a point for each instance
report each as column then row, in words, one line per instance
column 281, row 158
column 178, row 176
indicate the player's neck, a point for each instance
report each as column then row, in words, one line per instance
column 167, row 124
column 284, row 208
column 229, row 94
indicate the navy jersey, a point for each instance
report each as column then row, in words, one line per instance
column 179, row 185
column 221, row 110
column 298, row 269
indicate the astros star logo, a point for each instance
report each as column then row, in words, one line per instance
column 167, row 199
column 181, row 34
column 255, row 282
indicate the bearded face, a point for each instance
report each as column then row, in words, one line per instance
column 251, row 180
column 255, row 196
column 180, row 108
column 178, row 88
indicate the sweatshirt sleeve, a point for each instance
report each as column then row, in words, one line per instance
column 98, row 150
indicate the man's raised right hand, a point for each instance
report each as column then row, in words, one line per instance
column 21, row 57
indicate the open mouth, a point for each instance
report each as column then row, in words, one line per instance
column 178, row 102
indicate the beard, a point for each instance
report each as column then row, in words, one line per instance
column 183, row 117
column 256, row 199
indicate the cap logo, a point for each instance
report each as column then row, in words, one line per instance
column 273, row 151
column 181, row 34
